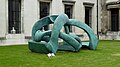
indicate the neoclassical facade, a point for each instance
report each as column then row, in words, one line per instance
column 18, row 16
column 110, row 19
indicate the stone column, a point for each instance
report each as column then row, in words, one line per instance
column 57, row 7
column 30, row 15
column 3, row 18
column 109, row 20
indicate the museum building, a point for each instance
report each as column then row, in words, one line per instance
column 17, row 17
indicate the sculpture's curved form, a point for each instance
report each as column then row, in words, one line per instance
column 47, row 41
column 93, row 42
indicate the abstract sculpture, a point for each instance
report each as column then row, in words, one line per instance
column 47, row 41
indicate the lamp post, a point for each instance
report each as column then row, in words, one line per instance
column 97, row 20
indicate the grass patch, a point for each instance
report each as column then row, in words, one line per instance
column 106, row 55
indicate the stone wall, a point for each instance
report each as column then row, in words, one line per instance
column 106, row 33
column 104, row 17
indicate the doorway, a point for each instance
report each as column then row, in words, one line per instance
column 14, row 16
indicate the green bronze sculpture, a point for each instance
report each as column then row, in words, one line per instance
column 47, row 41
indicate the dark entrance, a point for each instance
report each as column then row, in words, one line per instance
column 88, row 16
column 14, row 16
column 115, row 19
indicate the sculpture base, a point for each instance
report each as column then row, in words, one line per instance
column 38, row 47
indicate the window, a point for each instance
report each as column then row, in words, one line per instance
column 114, row 19
column 88, row 16
column 44, row 11
column 69, row 12
column 88, row 13
column 14, row 16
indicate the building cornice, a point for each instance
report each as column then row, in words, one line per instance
column 113, row 3
column 87, row 4
column 68, row 1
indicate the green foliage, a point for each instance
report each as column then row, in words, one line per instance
column 106, row 55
